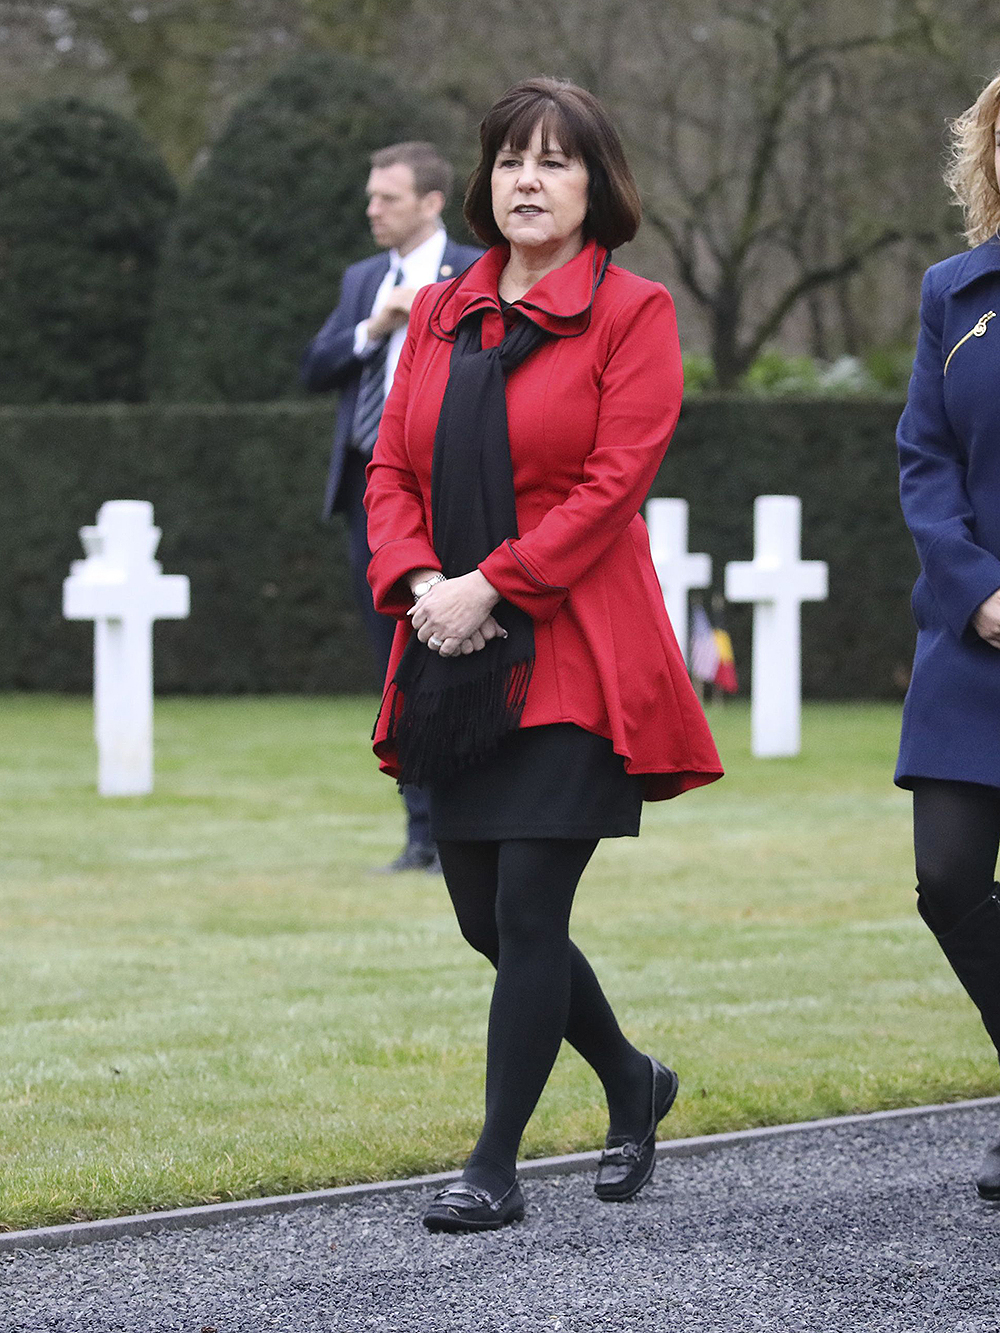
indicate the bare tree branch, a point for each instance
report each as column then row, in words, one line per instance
column 847, row 264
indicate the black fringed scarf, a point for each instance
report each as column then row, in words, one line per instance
column 454, row 711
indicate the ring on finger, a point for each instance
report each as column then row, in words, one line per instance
column 434, row 642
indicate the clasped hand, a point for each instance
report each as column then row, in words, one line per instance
column 456, row 614
column 986, row 620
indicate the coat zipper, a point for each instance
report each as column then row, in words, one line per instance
column 977, row 331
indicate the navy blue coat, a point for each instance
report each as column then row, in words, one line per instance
column 949, row 455
column 330, row 363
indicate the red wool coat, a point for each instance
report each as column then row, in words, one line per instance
column 590, row 414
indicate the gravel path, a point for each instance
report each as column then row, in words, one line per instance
column 860, row 1229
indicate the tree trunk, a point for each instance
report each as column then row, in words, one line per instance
column 727, row 360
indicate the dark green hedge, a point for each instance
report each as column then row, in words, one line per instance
column 237, row 490
column 84, row 200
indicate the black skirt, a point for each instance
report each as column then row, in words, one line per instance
column 556, row 781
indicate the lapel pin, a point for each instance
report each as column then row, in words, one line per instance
column 445, row 270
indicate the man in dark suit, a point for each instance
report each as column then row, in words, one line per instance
column 357, row 350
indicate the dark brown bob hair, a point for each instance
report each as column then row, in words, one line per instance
column 575, row 120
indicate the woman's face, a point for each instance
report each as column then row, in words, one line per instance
column 539, row 199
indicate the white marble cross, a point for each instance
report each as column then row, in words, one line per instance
column 777, row 581
column 677, row 569
column 121, row 588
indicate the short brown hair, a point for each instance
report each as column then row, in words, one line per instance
column 576, row 119
column 430, row 170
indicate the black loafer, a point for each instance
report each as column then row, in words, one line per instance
column 414, row 856
column 464, row 1207
column 988, row 1180
column 626, row 1165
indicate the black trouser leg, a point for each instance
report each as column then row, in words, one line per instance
column 513, row 901
column 380, row 628
column 418, row 815
column 956, row 836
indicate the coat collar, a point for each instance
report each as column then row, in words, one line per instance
column 560, row 302
column 977, row 263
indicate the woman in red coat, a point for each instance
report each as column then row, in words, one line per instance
column 535, row 687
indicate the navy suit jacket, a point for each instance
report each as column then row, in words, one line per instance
column 330, row 363
column 949, row 453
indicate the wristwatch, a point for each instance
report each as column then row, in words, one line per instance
column 425, row 585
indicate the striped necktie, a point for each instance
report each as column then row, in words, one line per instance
column 371, row 395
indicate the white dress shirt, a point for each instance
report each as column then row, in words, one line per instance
column 420, row 268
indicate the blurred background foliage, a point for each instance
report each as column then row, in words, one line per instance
column 85, row 199
column 267, row 226
column 236, row 489
column 789, row 154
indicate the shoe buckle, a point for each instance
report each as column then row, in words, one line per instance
column 628, row 1151
column 461, row 1189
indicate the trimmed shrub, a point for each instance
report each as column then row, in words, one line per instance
column 262, row 238
column 84, row 200
column 236, row 491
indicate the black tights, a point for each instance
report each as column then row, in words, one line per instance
column 956, row 834
column 513, row 902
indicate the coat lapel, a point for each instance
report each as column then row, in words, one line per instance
column 450, row 264
column 371, row 284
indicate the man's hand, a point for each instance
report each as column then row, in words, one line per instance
column 986, row 620
column 394, row 314
column 456, row 613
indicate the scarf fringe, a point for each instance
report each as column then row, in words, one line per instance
column 439, row 733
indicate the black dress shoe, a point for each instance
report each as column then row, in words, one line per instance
column 464, row 1207
column 414, row 856
column 988, row 1180
column 626, row 1165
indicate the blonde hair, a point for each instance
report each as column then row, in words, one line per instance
column 971, row 175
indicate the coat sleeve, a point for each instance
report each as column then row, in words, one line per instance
column 329, row 359
column 398, row 535
column 640, row 389
column 933, row 490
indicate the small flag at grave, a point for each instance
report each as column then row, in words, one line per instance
column 705, row 660
column 725, row 676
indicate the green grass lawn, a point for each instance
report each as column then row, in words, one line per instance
column 207, row 996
